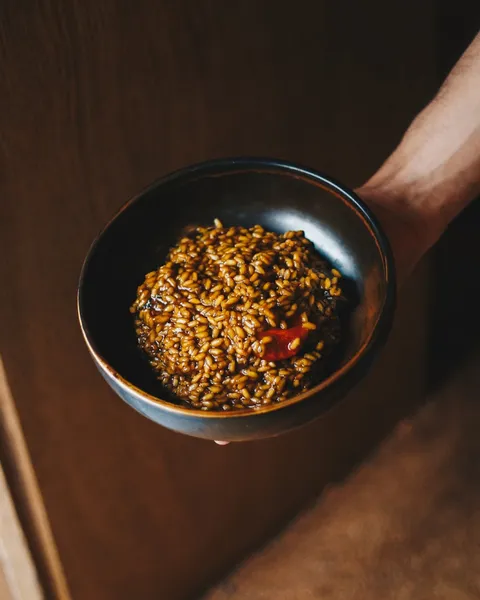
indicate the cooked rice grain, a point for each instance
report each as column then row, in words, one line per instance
column 198, row 317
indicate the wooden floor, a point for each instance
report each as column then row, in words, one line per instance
column 97, row 99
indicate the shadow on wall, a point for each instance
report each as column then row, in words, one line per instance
column 455, row 315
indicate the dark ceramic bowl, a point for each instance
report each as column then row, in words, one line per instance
column 278, row 195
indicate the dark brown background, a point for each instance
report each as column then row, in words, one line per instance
column 96, row 100
column 458, row 251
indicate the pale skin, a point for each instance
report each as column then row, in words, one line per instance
column 434, row 173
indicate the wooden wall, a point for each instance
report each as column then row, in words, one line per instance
column 98, row 98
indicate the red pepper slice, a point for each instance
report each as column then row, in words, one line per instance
column 280, row 347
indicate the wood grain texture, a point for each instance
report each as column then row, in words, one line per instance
column 96, row 100
column 18, row 578
column 29, row 502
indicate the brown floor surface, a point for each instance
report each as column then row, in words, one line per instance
column 405, row 526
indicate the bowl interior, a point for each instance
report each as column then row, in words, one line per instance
column 277, row 196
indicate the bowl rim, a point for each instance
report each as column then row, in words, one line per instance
column 227, row 166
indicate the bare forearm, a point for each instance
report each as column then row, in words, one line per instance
column 435, row 171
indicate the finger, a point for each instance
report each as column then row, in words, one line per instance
column 220, row 443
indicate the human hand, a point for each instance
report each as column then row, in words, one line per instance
column 410, row 232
